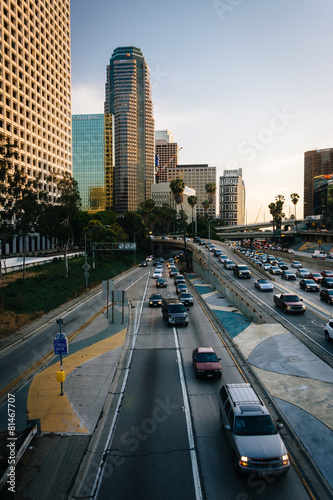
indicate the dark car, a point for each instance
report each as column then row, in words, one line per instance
column 309, row 285
column 327, row 282
column 179, row 279
column 327, row 274
column 143, row 263
column 283, row 266
column 326, row 295
column 155, row 300
column 288, row 275
column 181, row 287
column 161, row 283
column 317, row 277
column 275, row 270
column 186, row 298
column 173, row 271
column 206, row 363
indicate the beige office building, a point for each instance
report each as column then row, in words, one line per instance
column 196, row 177
column 167, row 153
column 35, row 87
column 161, row 194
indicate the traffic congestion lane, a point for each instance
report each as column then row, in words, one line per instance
column 214, row 453
column 313, row 321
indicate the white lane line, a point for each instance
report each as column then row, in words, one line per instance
column 195, row 468
column 103, row 462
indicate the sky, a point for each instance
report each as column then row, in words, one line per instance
column 239, row 83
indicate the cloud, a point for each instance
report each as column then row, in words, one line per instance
column 87, row 99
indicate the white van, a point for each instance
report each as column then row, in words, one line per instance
column 319, row 254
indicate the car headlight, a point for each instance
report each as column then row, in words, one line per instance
column 284, row 459
column 244, row 461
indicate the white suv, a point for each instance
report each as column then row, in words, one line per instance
column 256, row 445
column 329, row 330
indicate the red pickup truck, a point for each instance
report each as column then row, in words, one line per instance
column 289, row 303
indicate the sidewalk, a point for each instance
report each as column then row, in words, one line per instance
column 67, row 422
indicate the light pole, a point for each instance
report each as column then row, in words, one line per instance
column 209, row 223
column 85, row 251
column 136, row 232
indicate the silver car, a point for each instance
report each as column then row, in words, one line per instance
column 257, row 447
column 264, row 285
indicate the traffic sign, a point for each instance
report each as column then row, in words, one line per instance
column 60, row 346
column 127, row 246
column 86, row 266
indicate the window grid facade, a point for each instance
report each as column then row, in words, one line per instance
column 316, row 163
column 196, row 177
column 128, row 97
column 232, row 197
column 35, row 87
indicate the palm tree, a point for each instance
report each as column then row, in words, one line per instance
column 210, row 188
column 177, row 187
column 294, row 199
column 192, row 201
column 205, row 205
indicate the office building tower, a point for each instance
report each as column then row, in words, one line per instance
column 128, row 98
column 167, row 154
column 322, row 196
column 232, row 197
column 196, row 177
column 93, row 160
column 163, row 135
column 35, row 88
column 316, row 162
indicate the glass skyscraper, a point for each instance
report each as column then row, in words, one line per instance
column 128, row 98
column 92, row 160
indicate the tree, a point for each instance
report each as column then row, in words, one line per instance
column 57, row 220
column 8, row 153
column 205, row 205
column 192, row 201
column 276, row 210
column 177, row 187
column 210, row 189
column 294, row 199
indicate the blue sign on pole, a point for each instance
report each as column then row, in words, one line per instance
column 60, row 346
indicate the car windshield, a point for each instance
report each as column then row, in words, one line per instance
column 260, row 425
column 292, row 298
column 157, row 296
column 177, row 308
column 207, row 357
column 185, row 295
column 316, row 275
column 264, row 282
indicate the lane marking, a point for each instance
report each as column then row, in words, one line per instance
column 195, row 468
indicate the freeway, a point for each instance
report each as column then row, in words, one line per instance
column 164, row 438
column 310, row 326
column 167, row 442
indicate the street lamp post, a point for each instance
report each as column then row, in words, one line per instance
column 85, row 251
column 209, row 223
column 136, row 232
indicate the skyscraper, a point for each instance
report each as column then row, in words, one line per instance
column 232, row 197
column 93, row 160
column 316, row 162
column 128, row 97
column 35, row 87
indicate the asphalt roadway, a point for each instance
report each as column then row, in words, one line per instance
column 72, row 426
